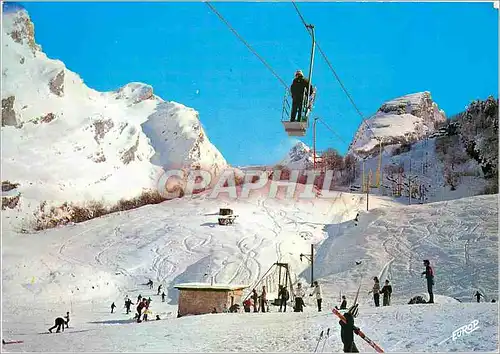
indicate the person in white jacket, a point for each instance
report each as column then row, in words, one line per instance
column 319, row 294
column 299, row 298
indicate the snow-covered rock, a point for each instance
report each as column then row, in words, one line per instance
column 299, row 157
column 405, row 119
column 63, row 141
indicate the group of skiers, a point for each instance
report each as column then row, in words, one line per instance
column 260, row 302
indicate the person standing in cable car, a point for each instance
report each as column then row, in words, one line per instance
column 299, row 86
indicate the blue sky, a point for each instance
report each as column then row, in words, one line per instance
column 380, row 51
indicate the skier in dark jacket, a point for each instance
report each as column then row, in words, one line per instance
column 113, row 307
column 141, row 305
column 159, row 289
column 128, row 303
column 284, row 295
column 343, row 305
column 299, row 86
column 429, row 275
column 387, row 291
column 478, row 296
column 59, row 323
column 163, row 297
column 139, row 298
column 347, row 333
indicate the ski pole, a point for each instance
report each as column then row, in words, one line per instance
column 319, row 339
column 326, row 340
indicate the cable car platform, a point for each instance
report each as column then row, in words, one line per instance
column 295, row 128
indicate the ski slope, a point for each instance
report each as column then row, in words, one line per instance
column 84, row 267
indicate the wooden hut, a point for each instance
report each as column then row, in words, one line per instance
column 203, row 298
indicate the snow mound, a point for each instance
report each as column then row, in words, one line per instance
column 300, row 157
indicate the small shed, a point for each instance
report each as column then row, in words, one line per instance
column 202, row 298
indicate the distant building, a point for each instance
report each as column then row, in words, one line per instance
column 202, row 298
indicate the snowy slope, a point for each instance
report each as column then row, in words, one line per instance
column 404, row 119
column 63, row 141
column 423, row 164
column 84, row 267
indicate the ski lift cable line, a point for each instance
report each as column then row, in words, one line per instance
column 333, row 70
column 333, row 131
column 214, row 10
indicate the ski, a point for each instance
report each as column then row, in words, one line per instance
column 11, row 341
column 325, row 340
column 319, row 340
column 360, row 333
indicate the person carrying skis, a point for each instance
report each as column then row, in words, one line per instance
column 319, row 294
column 159, row 289
column 387, row 291
column 347, row 331
column 298, row 89
column 59, row 323
column 67, row 319
column 478, row 296
column 283, row 295
column 113, row 307
column 263, row 299
column 163, row 296
column 255, row 299
column 376, row 291
column 429, row 275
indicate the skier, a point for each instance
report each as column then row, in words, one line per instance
column 263, row 299
column 150, row 283
column 376, row 291
column 347, row 333
column 356, row 220
column 319, row 295
column 429, row 275
column 247, row 304
column 59, row 323
column 299, row 87
column 159, row 289
column 387, row 291
column 146, row 310
column 343, row 305
column 163, row 296
column 139, row 298
column 284, row 296
column 255, row 298
column 478, row 296
column 141, row 305
column 67, row 319
column 128, row 303
column 158, row 317
column 112, row 307
column 299, row 298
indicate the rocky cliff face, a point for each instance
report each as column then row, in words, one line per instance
column 299, row 157
column 405, row 119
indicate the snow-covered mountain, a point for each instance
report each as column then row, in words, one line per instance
column 404, row 119
column 63, row 141
column 299, row 157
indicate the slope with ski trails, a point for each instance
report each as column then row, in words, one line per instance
column 83, row 268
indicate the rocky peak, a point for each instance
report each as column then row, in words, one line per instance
column 18, row 25
column 401, row 120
